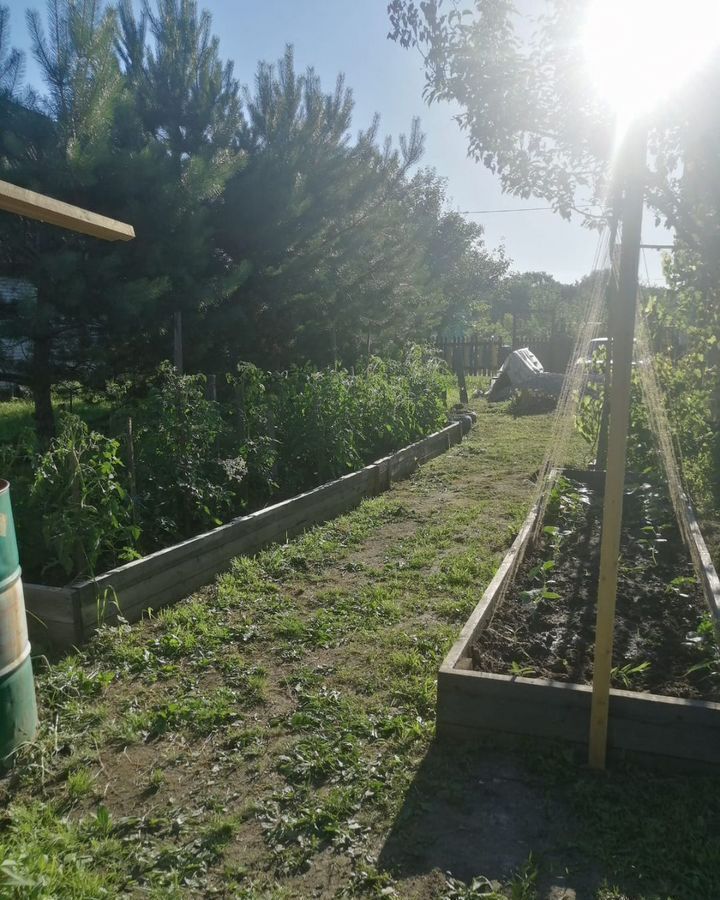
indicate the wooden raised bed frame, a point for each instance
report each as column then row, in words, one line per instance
column 63, row 617
column 472, row 704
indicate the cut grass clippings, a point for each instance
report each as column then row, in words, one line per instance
column 272, row 735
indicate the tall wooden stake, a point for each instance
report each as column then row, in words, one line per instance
column 634, row 165
column 611, row 295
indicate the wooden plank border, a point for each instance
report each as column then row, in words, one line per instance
column 32, row 205
column 62, row 617
column 472, row 704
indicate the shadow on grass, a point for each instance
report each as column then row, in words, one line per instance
column 627, row 833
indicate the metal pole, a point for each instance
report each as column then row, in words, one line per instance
column 634, row 168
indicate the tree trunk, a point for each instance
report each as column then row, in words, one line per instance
column 41, row 390
column 178, row 342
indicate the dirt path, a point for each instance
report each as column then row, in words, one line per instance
column 273, row 735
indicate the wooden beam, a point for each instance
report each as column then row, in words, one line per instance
column 634, row 160
column 45, row 209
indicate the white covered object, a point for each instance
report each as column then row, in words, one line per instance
column 521, row 366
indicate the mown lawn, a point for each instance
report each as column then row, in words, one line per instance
column 272, row 736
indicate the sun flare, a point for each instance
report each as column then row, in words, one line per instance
column 639, row 51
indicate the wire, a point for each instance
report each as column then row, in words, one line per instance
column 487, row 212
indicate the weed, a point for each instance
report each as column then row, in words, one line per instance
column 156, row 779
column 292, row 707
column 521, row 671
column 704, row 641
column 79, row 784
column 521, row 887
column 628, row 675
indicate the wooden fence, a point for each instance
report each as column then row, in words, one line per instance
column 478, row 357
column 484, row 357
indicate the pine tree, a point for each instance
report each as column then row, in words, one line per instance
column 66, row 144
column 11, row 60
column 187, row 101
column 308, row 213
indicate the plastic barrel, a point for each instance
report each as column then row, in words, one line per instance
column 18, row 710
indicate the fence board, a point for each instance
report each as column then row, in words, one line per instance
column 484, row 357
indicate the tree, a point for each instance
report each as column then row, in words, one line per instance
column 187, row 97
column 527, row 105
column 311, row 214
column 90, row 312
column 60, row 148
column 11, row 60
column 346, row 247
column 462, row 277
column 187, row 103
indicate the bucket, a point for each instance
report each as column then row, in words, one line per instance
column 18, row 711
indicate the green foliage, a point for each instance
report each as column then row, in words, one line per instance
column 85, row 513
column 11, row 61
column 685, row 323
column 195, row 462
column 626, row 676
column 523, row 91
column 46, row 855
column 278, row 237
column 331, row 422
column 184, row 484
column 253, row 423
column 642, row 454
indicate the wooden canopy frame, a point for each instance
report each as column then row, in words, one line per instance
column 46, row 209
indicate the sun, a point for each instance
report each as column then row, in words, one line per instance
column 638, row 52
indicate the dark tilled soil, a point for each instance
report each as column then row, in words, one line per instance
column 659, row 635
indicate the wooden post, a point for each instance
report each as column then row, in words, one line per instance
column 611, row 295
column 459, row 366
column 178, row 343
column 634, row 156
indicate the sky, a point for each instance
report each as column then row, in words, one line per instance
column 350, row 36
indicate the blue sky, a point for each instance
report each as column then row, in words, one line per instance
column 350, row 36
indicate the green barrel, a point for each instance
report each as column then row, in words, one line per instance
column 18, row 711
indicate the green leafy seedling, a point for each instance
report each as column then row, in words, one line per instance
column 626, row 674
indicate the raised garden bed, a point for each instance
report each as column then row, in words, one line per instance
column 523, row 666
column 62, row 617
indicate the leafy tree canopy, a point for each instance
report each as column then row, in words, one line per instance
column 527, row 105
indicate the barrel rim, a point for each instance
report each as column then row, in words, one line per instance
column 4, row 485
column 7, row 583
column 15, row 664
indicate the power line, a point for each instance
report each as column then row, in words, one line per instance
column 487, row 212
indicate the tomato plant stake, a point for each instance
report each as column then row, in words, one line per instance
column 633, row 162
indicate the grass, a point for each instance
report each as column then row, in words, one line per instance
column 272, row 735
column 17, row 415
